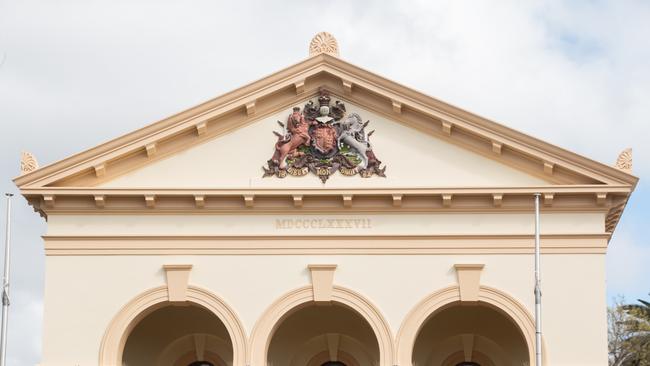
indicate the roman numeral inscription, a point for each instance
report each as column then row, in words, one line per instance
column 315, row 223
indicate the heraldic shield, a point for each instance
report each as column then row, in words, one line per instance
column 323, row 139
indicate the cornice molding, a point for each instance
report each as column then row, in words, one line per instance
column 68, row 200
column 81, row 191
column 325, row 245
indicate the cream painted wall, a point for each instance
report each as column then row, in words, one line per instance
column 575, row 309
column 378, row 224
column 414, row 159
column 84, row 293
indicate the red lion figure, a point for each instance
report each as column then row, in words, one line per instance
column 297, row 135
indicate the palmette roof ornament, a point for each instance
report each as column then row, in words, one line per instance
column 624, row 161
column 323, row 42
column 28, row 163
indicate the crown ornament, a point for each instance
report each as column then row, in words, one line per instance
column 324, row 99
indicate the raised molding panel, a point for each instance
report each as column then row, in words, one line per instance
column 300, row 87
column 199, row 201
column 333, row 341
column 548, row 199
column 322, row 281
column 151, row 149
column 347, row 87
column 49, row 200
column 468, row 346
column 496, row 147
column 446, row 127
column 177, row 276
column 201, row 128
column 100, row 201
column 397, row 107
column 469, row 280
column 251, row 108
column 100, row 170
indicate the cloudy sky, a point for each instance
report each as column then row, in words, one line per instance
column 74, row 74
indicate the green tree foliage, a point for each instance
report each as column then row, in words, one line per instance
column 629, row 333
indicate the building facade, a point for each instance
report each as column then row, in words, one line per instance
column 324, row 215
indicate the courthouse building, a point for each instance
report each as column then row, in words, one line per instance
column 324, row 216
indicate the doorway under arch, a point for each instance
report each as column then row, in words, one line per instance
column 172, row 335
column 201, row 363
column 344, row 300
column 470, row 334
column 125, row 321
column 316, row 335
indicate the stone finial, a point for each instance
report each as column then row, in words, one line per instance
column 323, row 42
column 28, row 163
column 624, row 161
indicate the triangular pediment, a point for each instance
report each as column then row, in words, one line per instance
column 429, row 149
column 288, row 87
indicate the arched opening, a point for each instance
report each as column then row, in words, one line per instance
column 129, row 317
column 323, row 335
column 172, row 335
column 470, row 335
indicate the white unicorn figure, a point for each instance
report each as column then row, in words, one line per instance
column 352, row 134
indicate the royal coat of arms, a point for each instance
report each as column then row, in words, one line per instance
column 323, row 139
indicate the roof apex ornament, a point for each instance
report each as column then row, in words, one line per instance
column 624, row 161
column 323, row 42
column 28, row 163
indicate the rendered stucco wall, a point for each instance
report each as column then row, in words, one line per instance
column 278, row 224
column 84, row 293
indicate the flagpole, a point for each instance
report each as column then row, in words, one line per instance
column 538, row 289
column 5, row 286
